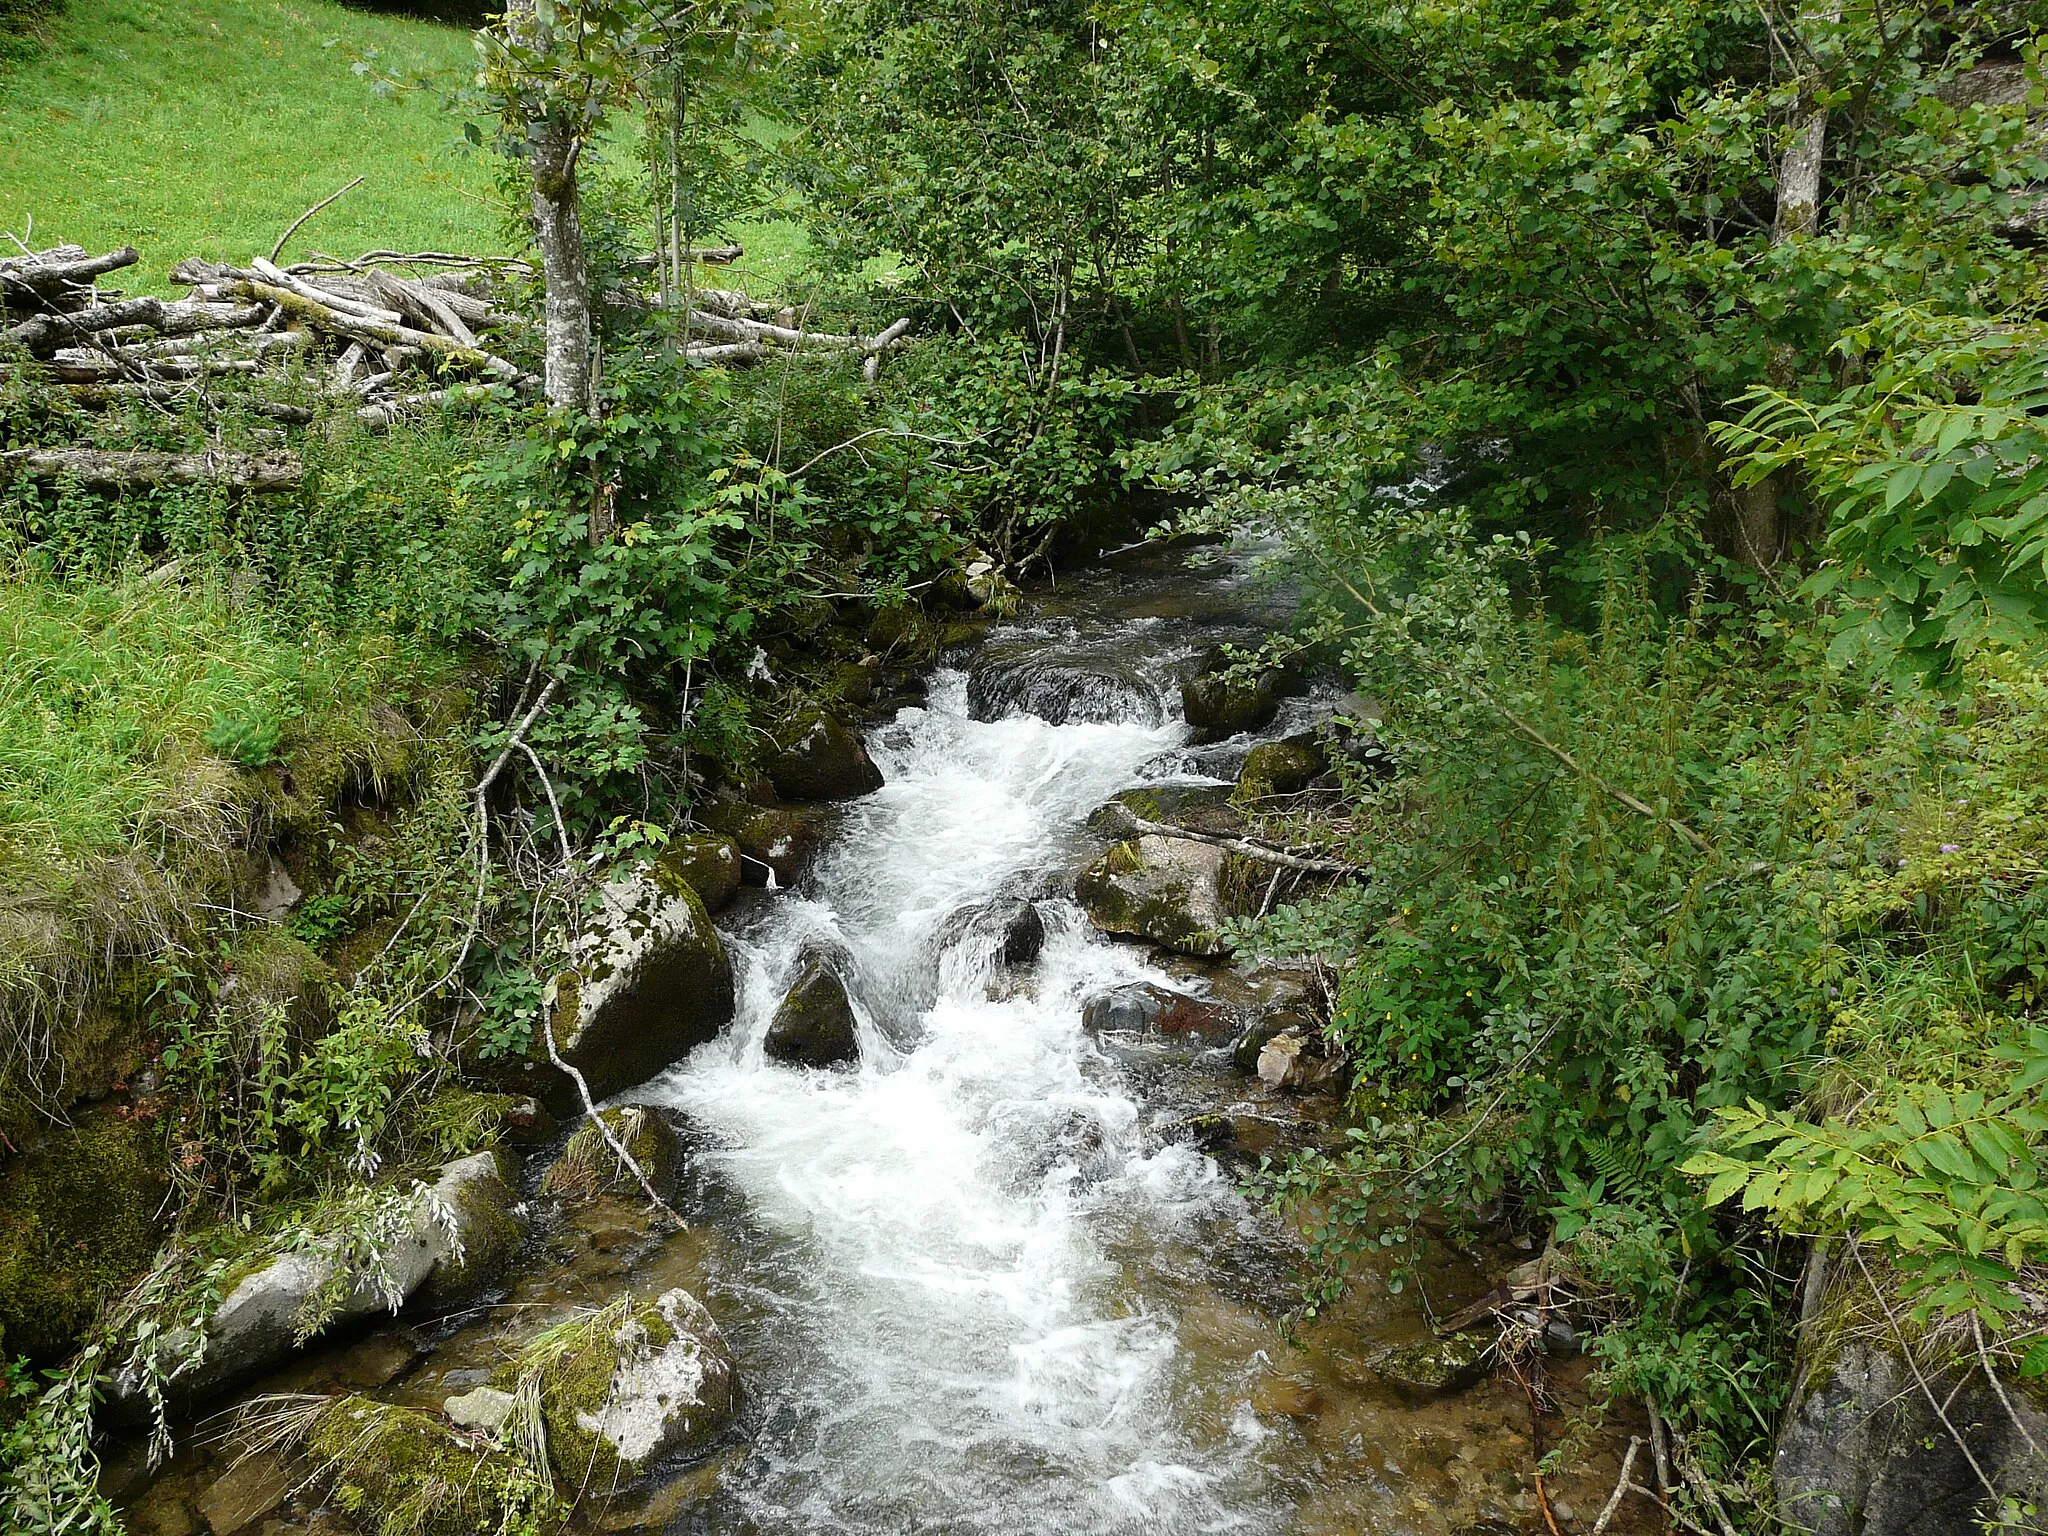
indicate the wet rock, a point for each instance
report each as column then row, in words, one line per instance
column 588, row 1167
column 1218, row 704
column 250, row 1489
column 1143, row 1006
column 780, row 840
column 650, row 981
column 1058, row 686
column 1194, row 807
column 481, row 1408
column 706, row 862
column 1279, row 768
column 814, row 1027
column 449, row 1243
column 1295, row 1059
column 618, row 1397
column 1164, row 889
column 1023, row 934
column 1245, row 1049
column 1434, row 1365
column 1075, row 1139
column 1861, row 1452
column 819, row 758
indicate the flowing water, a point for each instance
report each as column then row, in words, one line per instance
column 985, row 1281
column 951, row 1345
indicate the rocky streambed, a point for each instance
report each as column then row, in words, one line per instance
column 963, row 1248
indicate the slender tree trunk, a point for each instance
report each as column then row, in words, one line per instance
column 1799, row 178
column 564, row 268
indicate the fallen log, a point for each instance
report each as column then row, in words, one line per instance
column 707, row 356
column 424, row 306
column 386, row 412
column 710, row 256
column 65, row 271
column 44, row 334
column 81, row 367
column 105, row 469
column 327, row 317
column 100, row 397
column 190, row 317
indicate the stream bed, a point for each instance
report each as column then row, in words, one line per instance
column 987, row 1281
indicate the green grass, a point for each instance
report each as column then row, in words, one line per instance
column 134, row 705
column 205, row 128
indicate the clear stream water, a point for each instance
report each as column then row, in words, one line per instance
column 949, row 1346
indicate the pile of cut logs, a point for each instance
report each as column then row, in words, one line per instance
column 391, row 332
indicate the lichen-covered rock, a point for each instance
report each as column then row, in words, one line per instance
column 399, row 1472
column 706, row 862
column 780, row 840
column 1254, row 1037
column 814, row 1026
column 79, row 1213
column 1296, row 1059
column 619, row 1394
column 440, row 1246
column 1862, row 1453
column 1164, row 889
column 588, row 1167
column 1279, row 768
column 819, row 758
column 649, row 982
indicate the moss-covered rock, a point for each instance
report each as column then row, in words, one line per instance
column 398, row 1472
column 269, row 970
column 1196, row 807
column 780, row 840
column 1159, row 888
column 818, row 757
column 1279, row 768
column 707, row 862
column 901, row 633
column 650, row 981
column 814, row 1026
column 1435, row 1365
column 1219, row 706
column 625, row 1387
column 79, row 1219
column 588, row 1167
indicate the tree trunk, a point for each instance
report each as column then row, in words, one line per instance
column 564, row 268
column 1799, row 178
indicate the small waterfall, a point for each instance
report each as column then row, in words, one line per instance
column 948, row 1342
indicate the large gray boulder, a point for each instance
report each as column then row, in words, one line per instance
column 1862, row 1451
column 649, row 982
column 438, row 1246
column 815, row 1026
column 1165, row 889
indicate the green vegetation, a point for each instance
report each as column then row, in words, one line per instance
column 1645, row 399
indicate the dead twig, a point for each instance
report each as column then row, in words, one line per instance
column 297, row 223
column 1621, row 1486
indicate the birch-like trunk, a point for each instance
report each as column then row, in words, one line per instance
column 565, row 268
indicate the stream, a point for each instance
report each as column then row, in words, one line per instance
column 986, row 1281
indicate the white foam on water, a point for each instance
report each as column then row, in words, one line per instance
column 946, row 1346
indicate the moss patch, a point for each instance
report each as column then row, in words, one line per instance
column 78, row 1222
column 400, row 1473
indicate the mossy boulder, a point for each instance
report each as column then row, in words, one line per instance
column 451, row 1241
column 399, row 1472
column 1195, row 807
column 1279, row 768
column 627, row 1387
column 818, row 757
column 814, row 1026
column 1163, row 889
column 588, row 1167
column 707, row 862
column 1218, row 705
column 650, row 981
column 79, row 1219
column 901, row 633
column 779, row 840
column 270, row 971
